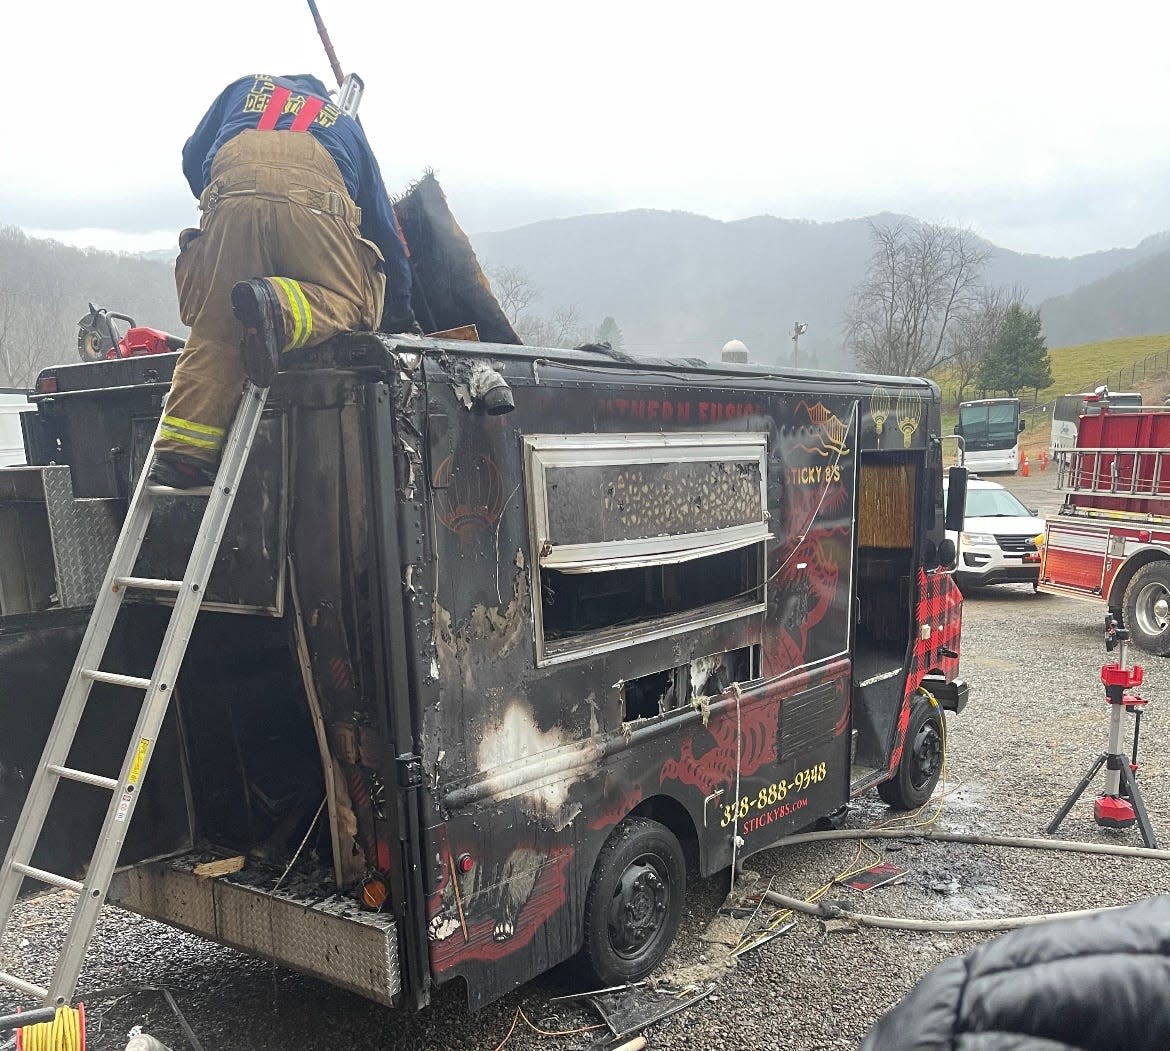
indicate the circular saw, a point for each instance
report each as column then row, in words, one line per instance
column 97, row 335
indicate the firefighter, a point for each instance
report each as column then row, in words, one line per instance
column 297, row 242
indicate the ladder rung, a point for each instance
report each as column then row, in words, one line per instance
column 48, row 877
column 97, row 780
column 20, row 985
column 93, row 653
column 149, row 583
column 166, row 490
column 114, row 679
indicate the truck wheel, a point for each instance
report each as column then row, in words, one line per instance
column 635, row 901
column 918, row 771
column 1147, row 608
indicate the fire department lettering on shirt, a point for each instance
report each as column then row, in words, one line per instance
column 261, row 91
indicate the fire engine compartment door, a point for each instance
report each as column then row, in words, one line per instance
column 249, row 573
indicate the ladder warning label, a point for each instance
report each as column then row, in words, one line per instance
column 123, row 807
column 139, row 760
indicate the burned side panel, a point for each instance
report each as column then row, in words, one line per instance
column 581, row 673
column 332, row 559
column 249, row 574
column 36, row 655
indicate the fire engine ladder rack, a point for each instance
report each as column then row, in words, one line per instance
column 125, row 788
column 1107, row 475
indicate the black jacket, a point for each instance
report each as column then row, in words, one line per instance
column 1101, row 983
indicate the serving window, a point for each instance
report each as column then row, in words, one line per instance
column 639, row 536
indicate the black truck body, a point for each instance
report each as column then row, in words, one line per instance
column 474, row 645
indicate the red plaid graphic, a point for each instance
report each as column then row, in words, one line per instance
column 940, row 605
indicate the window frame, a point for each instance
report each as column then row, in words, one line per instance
column 543, row 452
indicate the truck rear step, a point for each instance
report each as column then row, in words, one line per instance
column 305, row 925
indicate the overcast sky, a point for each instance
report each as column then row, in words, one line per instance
column 1046, row 126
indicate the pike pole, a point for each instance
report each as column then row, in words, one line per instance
column 323, row 33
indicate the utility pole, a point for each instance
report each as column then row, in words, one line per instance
column 798, row 329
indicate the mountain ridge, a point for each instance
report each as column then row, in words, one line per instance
column 683, row 281
column 677, row 282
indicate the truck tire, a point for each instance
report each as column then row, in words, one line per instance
column 635, row 901
column 1147, row 608
column 918, row 771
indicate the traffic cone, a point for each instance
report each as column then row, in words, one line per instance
column 1044, row 459
column 1025, row 470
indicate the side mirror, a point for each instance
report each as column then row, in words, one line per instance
column 1023, row 426
column 956, row 499
column 1034, row 512
column 959, row 428
column 947, row 554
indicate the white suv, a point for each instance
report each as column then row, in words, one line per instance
column 1000, row 541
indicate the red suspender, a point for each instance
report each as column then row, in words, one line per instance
column 308, row 114
column 274, row 109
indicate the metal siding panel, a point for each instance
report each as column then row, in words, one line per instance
column 83, row 533
column 806, row 719
column 330, row 939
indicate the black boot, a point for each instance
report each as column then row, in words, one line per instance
column 256, row 306
column 180, row 472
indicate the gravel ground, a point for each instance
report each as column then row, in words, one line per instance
column 1035, row 721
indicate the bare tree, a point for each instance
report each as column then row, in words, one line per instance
column 921, row 280
column 976, row 332
column 514, row 291
column 32, row 336
column 562, row 328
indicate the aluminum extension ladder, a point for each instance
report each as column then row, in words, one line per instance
column 157, row 690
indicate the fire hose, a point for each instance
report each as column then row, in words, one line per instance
column 829, row 910
column 814, row 906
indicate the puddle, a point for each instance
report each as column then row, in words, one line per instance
column 960, row 888
column 964, row 796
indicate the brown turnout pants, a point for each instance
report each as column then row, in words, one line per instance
column 277, row 208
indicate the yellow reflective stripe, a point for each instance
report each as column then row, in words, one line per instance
column 308, row 313
column 173, row 435
column 191, row 425
column 302, row 313
column 298, row 321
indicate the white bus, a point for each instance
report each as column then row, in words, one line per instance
column 990, row 429
column 13, row 402
column 1069, row 408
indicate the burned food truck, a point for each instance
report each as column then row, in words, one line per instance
column 513, row 623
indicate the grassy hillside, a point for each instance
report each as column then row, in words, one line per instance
column 1080, row 367
column 1083, row 367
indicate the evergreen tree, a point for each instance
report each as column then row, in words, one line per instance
column 608, row 332
column 1018, row 358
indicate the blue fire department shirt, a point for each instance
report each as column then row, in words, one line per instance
column 240, row 106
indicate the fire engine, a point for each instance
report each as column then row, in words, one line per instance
column 1111, row 541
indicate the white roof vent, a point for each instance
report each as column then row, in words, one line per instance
column 735, row 350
